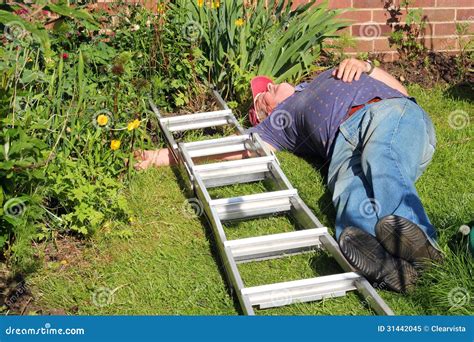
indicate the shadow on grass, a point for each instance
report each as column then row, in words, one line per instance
column 324, row 202
column 461, row 92
column 181, row 177
column 321, row 263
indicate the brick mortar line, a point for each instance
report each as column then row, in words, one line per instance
column 441, row 36
column 381, row 9
column 404, row 22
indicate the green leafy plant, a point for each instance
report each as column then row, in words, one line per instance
column 266, row 37
column 86, row 198
column 407, row 37
column 335, row 49
column 466, row 50
column 60, row 168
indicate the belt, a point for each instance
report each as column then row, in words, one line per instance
column 356, row 108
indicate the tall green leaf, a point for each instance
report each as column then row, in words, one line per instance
column 10, row 19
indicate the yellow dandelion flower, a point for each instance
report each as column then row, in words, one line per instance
column 133, row 125
column 239, row 22
column 102, row 120
column 217, row 4
column 114, row 145
column 200, row 3
column 161, row 8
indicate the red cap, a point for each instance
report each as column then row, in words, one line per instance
column 258, row 85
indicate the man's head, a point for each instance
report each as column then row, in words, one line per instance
column 266, row 96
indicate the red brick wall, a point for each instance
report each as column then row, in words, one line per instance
column 370, row 28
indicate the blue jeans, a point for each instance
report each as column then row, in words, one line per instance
column 379, row 153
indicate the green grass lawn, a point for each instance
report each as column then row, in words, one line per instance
column 170, row 265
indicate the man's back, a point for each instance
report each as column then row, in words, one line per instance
column 307, row 122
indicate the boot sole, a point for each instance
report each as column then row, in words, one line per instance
column 404, row 239
column 369, row 257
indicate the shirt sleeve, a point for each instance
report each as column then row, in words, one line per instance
column 267, row 133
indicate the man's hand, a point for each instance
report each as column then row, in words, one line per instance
column 350, row 69
column 148, row 159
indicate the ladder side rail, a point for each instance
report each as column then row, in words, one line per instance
column 278, row 175
column 219, row 99
column 224, row 105
column 372, row 298
column 364, row 288
column 234, row 279
column 172, row 145
column 187, row 161
column 302, row 213
column 171, row 142
column 260, row 145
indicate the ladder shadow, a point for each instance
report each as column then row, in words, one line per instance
column 180, row 174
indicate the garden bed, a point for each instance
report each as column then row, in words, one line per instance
column 437, row 68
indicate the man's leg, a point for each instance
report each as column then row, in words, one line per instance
column 356, row 214
column 351, row 193
column 397, row 143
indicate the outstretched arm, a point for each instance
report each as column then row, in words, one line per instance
column 350, row 69
column 164, row 157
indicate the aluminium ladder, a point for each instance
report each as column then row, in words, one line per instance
column 261, row 166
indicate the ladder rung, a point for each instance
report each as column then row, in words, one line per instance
column 253, row 205
column 234, row 172
column 199, row 120
column 298, row 291
column 275, row 245
column 217, row 146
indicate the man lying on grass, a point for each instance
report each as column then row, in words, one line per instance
column 377, row 142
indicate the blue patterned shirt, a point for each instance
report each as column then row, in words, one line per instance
column 308, row 121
